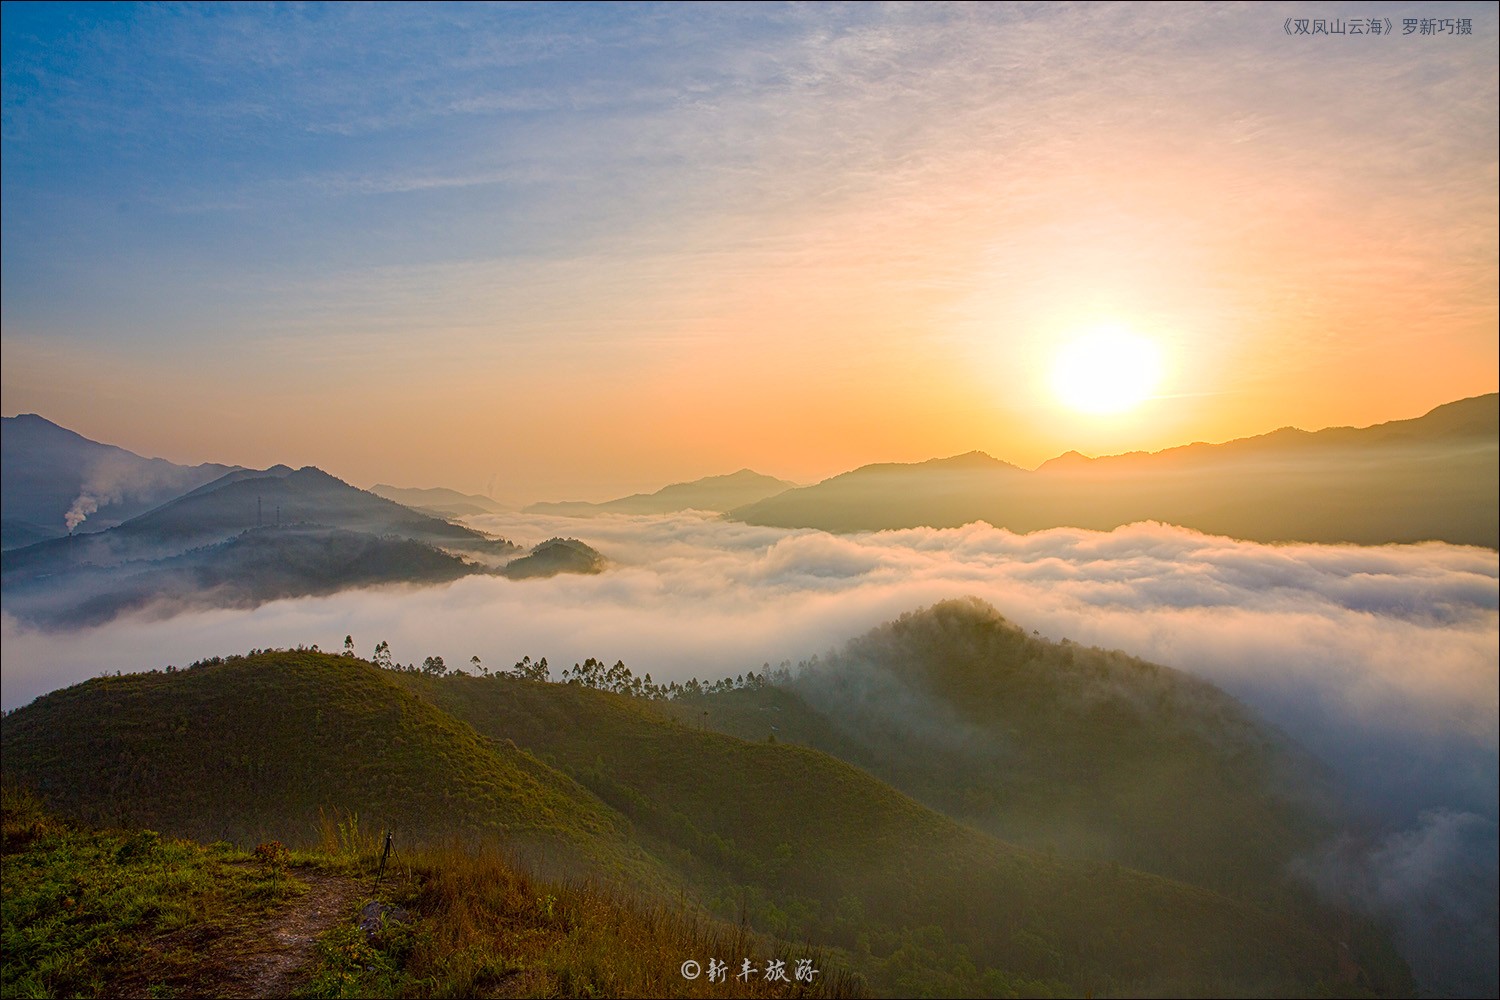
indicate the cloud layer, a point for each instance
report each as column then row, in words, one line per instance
column 1396, row 644
column 1381, row 660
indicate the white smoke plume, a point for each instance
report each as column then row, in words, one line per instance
column 120, row 478
column 83, row 506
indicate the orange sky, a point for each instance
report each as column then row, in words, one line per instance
column 799, row 242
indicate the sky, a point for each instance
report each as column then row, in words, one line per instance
column 575, row 251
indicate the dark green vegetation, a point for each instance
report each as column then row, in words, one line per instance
column 645, row 793
column 258, row 747
column 48, row 472
column 715, row 493
column 1052, row 745
column 112, row 913
column 1146, row 819
column 554, row 556
column 1431, row 478
column 809, row 846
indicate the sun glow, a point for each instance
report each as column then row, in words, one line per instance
column 1107, row 370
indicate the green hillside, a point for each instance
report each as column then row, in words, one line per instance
column 261, row 747
column 1053, row 745
column 783, row 838
column 804, row 845
column 86, row 912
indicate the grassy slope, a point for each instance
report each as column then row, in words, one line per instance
column 1094, row 753
column 798, row 842
column 255, row 748
column 484, row 928
column 88, row 910
column 809, row 845
column 96, row 912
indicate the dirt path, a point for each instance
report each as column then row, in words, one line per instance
column 270, row 962
column 263, row 958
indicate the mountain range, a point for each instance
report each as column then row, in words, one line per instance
column 53, row 480
column 253, row 536
column 1432, row 478
column 444, row 503
column 712, row 493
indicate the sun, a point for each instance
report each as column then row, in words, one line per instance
column 1106, row 370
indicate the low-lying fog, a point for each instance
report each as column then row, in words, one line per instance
column 1383, row 661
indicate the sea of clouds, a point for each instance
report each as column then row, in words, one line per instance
column 1383, row 661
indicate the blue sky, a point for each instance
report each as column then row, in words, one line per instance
column 592, row 248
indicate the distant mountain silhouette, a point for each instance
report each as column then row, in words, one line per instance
column 255, row 566
column 442, row 502
column 246, row 538
column 1429, row 478
column 51, row 476
column 236, row 502
column 714, row 493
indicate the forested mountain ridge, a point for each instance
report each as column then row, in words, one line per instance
column 800, row 843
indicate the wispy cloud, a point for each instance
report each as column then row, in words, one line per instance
column 894, row 211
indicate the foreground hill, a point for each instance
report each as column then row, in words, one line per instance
column 53, row 480
column 714, row 493
column 809, row 847
column 1053, row 745
column 260, row 747
column 1430, row 478
column 793, row 841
